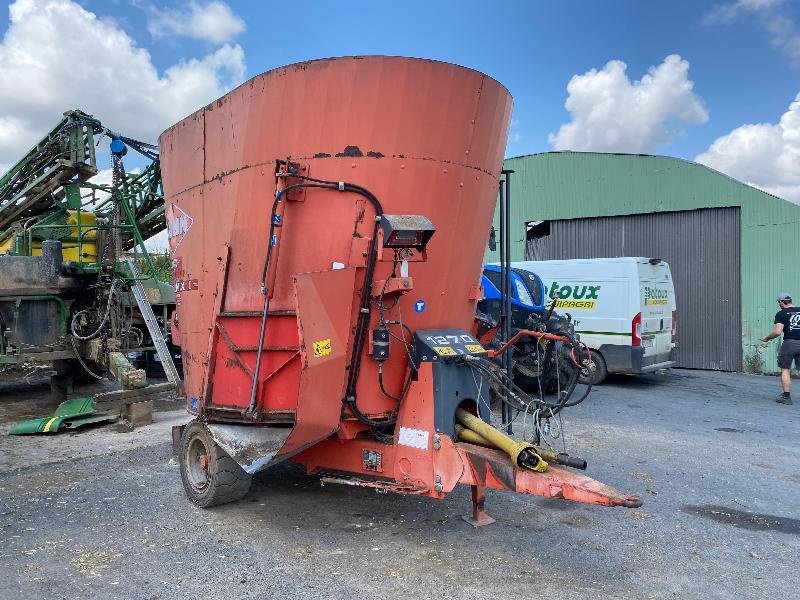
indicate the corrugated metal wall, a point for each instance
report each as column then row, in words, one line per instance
column 702, row 248
column 571, row 185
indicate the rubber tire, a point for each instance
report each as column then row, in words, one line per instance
column 530, row 385
column 226, row 480
column 600, row 370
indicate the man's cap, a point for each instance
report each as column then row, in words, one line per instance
column 784, row 297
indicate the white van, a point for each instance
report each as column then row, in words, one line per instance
column 623, row 309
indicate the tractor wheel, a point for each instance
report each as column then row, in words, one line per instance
column 600, row 370
column 210, row 476
column 526, row 378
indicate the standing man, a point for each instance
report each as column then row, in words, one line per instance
column 787, row 322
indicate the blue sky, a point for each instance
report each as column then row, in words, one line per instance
column 533, row 48
column 743, row 57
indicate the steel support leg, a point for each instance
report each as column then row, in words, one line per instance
column 61, row 382
column 478, row 518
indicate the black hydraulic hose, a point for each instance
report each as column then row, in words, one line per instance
column 514, row 390
column 362, row 324
column 364, row 314
column 498, row 376
column 272, row 223
column 403, row 392
column 254, row 387
column 581, row 399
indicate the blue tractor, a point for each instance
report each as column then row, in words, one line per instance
column 539, row 368
column 527, row 293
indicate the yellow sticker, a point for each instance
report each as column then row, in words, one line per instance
column 580, row 304
column 322, row 348
column 444, row 351
column 655, row 301
column 475, row 348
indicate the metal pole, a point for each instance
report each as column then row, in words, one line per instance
column 509, row 364
column 503, row 290
column 503, row 357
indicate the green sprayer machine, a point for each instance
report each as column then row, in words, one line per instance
column 77, row 285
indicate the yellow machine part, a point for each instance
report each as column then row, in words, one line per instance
column 71, row 250
column 475, row 430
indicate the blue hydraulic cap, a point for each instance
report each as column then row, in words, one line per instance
column 118, row 148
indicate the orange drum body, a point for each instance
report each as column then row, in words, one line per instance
column 279, row 300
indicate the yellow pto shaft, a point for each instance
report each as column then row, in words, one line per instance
column 477, row 431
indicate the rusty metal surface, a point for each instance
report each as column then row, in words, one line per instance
column 324, row 321
column 377, row 485
column 479, row 517
column 426, row 137
column 493, row 469
column 252, row 447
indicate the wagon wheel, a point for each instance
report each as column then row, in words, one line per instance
column 210, row 476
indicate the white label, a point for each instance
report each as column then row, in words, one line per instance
column 416, row 438
column 178, row 223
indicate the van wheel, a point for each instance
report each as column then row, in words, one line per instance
column 210, row 476
column 600, row 370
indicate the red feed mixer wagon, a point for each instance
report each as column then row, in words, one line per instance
column 328, row 222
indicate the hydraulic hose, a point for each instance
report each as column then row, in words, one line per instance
column 96, row 332
column 403, row 392
column 365, row 310
column 362, row 324
column 254, row 387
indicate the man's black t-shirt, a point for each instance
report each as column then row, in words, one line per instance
column 790, row 317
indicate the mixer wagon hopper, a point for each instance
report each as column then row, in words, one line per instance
column 328, row 222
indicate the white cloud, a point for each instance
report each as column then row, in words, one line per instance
column 514, row 136
column 770, row 15
column 214, row 22
column 56, row 55
column 765, row 155
column 612, row 114
column 730, row 11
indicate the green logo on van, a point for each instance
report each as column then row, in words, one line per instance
column 655, row 296
column 574, row 296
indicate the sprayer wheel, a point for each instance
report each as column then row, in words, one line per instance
column 600, row 370
column 210, row 476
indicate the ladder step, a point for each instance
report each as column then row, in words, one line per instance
column 152, row 325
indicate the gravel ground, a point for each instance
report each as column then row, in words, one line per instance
column 103, row 515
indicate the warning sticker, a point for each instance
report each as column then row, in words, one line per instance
column 415, row 438
column 475, row 348
column 444, row 351
column 322, row 348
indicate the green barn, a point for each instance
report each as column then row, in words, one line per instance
column 732, row 248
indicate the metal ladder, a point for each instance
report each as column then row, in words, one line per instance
column 152, row 325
